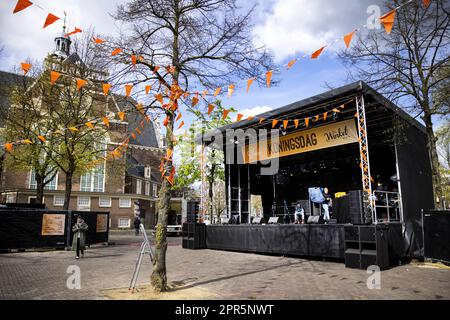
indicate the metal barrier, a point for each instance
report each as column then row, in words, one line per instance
column 388, row 207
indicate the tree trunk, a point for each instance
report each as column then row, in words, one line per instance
column 68, row 190
column 434, row 159
column 39, row 188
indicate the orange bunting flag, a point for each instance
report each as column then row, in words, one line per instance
column 74, row 129
column 138, row 131
column 316, row 118
column 388, row 20
column 268, row 78
column 285, row 124
column 50, row 19
column 42, row 138
column 98, row 40
column 261, row 120
column 210, row 108
column 249, row 83
column 217, row 92
column 317, row 53
column 26, row 141
column 239, row 117
column 9, row 147
column 231, row 89
column 77, row 30
column 181, row 124
column 274, row 123
column 159, row 97
column 147, row 89
column 106, row 121
column 89, row 125
column 133, row 59
column 194, row 101
column 54, row 76
column 80, row 84
column 25, row 67
column 291, row 63
column 166, row 122
column 121, row 115
column 225, row 114
column 296, row 121
column 426, row 3
column 133, row 136
column 106, row 87
column 336, row 110
column 348, row 38
column 250, row 118
column 21, row 5
column 116, row 52
column 307, row 122
column 128, row 88
column 178, row 117
column 325, row 114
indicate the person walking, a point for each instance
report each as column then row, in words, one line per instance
column 79, row 237
column 137, row 223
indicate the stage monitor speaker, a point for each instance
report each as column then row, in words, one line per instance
column 257, row 220
column 225, row 221
column 273, row 220
column 313, row 219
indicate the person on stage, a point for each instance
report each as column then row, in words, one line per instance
column 299, row 214
column 326, row 205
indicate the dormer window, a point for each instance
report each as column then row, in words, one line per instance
column 147, row 172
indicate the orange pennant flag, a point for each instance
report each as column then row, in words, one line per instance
column 77, row 30
column 42, row 138
column 54, row 76
column 116, row 52
column 194, row 101
column 9, row 147
column 128, row 88
column 285, row 124
column 348, row 38
column 138, row 131
column 307, row 122
column 26, row 141
column 249, row 83
column 296, row 121
column 106, row 87
column 268, row 78
column 217, row 92
column 178, row 117
column 231, row 89
column 336, row 110
column 181, row 124
column 133, row 59
column 317, row 53
column 140, row 108
column 89, row 125
column 147, row 89
column 316, row 118
column 426, row 3
column 291, row 63
column 74, row 129
column 50, row 19
column 210, row 108
column 21, row 5
column 80, row 84
column 105, row 121
column 261, row 120
column 239, row 117
column 159, row 97
column 388, row 20
column 25, row 67
column 98, row 40
column 250, row 118
column 274, row 123
column 133, row 136
column 325, row 114
column 225, row 114
column 121, row 115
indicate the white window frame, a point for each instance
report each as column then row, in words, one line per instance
column 56, row 204
column 138, row 186
column 155, row 190
column 104, row 198
column 147, row 188
column 91, row 175
column 147, row 172
column 33, row 186
column 123, row 227
column 83, row 207
column 128, row 205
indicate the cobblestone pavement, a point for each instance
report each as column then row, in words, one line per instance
column 231, row 275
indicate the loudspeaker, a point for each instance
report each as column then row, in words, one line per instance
column 273, row 220
column 257, row 220
column 436, row 232
column 225, row 221
column 313, row 219
column 356, row 207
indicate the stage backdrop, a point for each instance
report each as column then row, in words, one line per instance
column 336, row 134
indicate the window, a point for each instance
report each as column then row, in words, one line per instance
column 148, row 172
column 52, row 185
column 155, row 190
column 58, row 201
column 124, row 203
column 104, row 202
column 147, row 188
column 138, row 186
column 94, row 181
column 84, row 203
column 123, row 223
column 32, row 199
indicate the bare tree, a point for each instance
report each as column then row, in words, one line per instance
column 203, row 44
column 404, row 65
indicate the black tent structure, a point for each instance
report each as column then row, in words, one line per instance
column 354, row 141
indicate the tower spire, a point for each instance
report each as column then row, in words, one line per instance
column 62, row 43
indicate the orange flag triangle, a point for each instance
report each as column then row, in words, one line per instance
column 291, row 63
column 54, row 76
column 50, row 19
column 147, row 89
column 121, row 115
column 268, row 78
column 317, row 53
column 239, row 117
column 296, row 121
column 128, row 88
column 217, row 92
column 77, row 30
column 106, row 121
column 25, row 67
column 159, row 97
column 388, row 20
column 274, row 123
column 42, row 138
column 80, row 84
column 348, row 38
column 133, row 136
column 21, row 5
column 325, row 114
column 106, row 87
column 307, row 122
column 181, row 124
column 9, row 147
column 194, row 101
column 231, row 89
column 178, row 117
column 426, row 3
column 210, row 108
column 133, row 59
column 285, row 124
column 116, row 52
column 98, row 40
column 225, row 114
column 74, row 129
column 27, row 141
column 261, row 120
column 249, row 83
column 89, row 125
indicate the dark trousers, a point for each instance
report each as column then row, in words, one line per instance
column 78, row 248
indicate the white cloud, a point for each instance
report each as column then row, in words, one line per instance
column 255, row 111
column 303, row 26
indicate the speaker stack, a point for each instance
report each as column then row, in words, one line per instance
column 194, row 236
column 356, row 207
column 193, row 209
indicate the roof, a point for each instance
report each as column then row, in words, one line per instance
column 353, row 89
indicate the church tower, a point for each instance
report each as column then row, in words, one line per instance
column 62, row 44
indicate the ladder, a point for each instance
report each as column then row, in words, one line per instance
column 144, row 250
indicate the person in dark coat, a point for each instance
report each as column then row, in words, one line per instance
column 79, row 237
column 137, row 223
